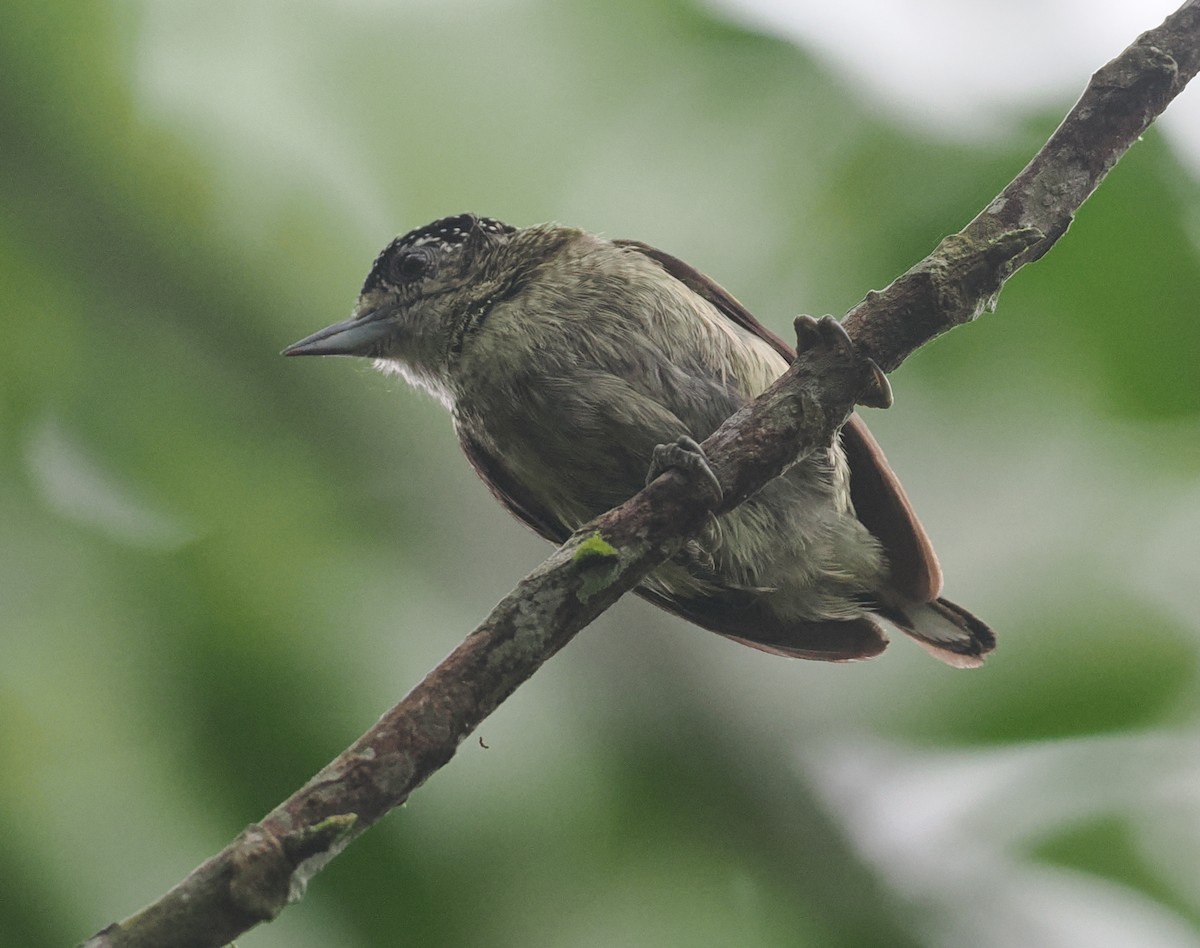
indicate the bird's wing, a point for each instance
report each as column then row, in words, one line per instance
column 732, row 613
column 742, row 616
column 516, row 499
column 879, row 500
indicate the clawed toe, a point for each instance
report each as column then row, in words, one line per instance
column 826, row 331
column 686, row 456
column 826, row 337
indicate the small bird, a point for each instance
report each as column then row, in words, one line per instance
column 566, row 359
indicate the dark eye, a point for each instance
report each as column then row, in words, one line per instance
column 410, row 266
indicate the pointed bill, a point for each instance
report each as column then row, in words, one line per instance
column 356, row 336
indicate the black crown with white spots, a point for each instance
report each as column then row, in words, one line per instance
column 444, row 234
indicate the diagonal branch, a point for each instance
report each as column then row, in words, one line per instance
column 269, row 864
column 964, row 274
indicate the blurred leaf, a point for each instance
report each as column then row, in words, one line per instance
column 1106, row 847
column 1068, row 673
column 1107, row 309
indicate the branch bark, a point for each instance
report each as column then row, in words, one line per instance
column 270, row 863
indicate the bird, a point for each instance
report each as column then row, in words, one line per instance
column 574, row 366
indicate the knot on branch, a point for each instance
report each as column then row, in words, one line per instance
column 268, row 871
column 310, row 847
column 1150, row 72
column 968, row 269
column 261, row 874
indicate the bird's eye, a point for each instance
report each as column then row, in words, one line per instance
column 410, row 266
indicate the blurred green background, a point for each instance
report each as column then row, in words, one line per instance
column 219, row 566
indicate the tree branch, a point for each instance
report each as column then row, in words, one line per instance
column 964, row 274
column 270, row 862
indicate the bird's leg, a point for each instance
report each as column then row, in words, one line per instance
column 688, row 458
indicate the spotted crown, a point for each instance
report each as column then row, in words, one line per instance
column 444, row 234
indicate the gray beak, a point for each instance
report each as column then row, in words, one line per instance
column 356, row 336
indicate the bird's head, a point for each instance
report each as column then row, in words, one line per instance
column 420, row 295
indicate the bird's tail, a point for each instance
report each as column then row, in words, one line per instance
column 945, row 630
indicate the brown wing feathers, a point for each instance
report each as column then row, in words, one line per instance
column 879, row 500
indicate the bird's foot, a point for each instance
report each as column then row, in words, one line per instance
column 688, row 458
column 825, row 340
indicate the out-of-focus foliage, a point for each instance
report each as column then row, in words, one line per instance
column 219, row 566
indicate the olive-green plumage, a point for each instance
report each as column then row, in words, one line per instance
column 565, row 359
